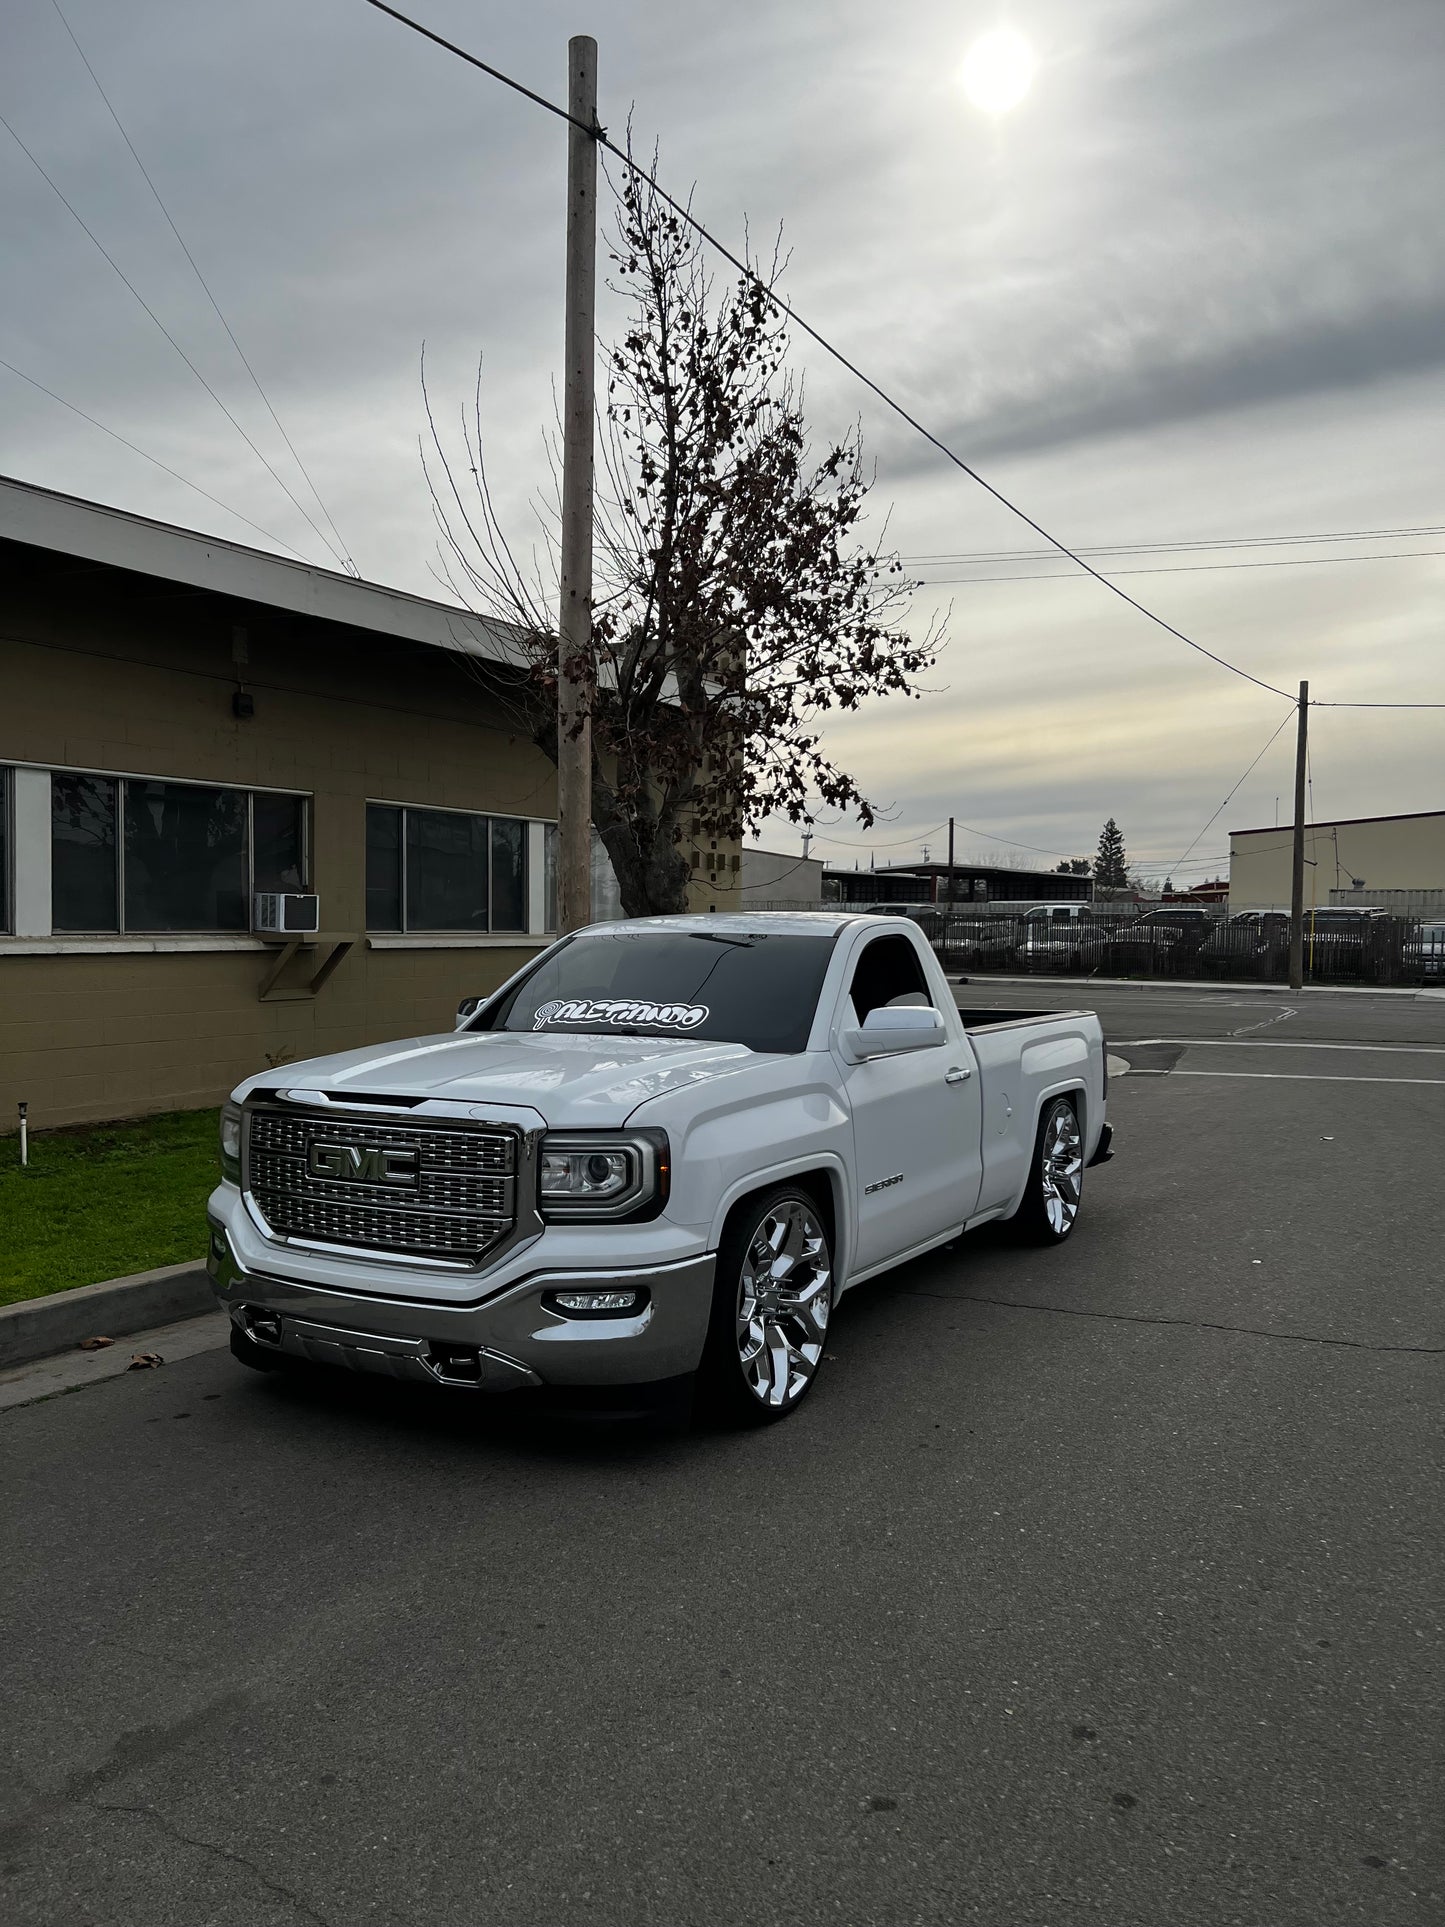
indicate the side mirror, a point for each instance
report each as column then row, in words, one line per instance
column 467, row 1010
column 889, row 1031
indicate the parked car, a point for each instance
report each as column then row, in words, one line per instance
column 1058, row 936
column 1352, row 942
column 1425, row 952
column 1161, row 941
column 665, row 1147
column 1253, row 943
column 976, row 942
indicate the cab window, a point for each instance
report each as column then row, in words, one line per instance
column 888, row 972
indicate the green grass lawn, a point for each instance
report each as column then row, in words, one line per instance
column 100, row 1202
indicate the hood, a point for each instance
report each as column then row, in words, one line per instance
column 571, row 1082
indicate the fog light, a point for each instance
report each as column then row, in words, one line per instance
column 614, row 1301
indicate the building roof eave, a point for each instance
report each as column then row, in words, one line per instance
column 91, row 531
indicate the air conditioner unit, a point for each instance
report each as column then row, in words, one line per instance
column 278, row 913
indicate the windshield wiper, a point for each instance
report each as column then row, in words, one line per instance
column 612, row 1030
column 707, row 936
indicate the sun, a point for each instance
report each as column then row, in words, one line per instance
column 998, row 70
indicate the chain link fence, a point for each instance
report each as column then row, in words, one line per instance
column 1341, row 946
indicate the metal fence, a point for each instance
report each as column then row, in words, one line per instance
column 1339, row 948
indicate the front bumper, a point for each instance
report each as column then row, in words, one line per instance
column 514, row 1340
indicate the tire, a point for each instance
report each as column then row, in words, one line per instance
column 1048, row 1213
column 247, row 1352
column 766, row 1333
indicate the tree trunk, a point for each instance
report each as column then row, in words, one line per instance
column 651, row 870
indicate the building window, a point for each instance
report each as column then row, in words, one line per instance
column 383, row 867
column 439, row 870
column 134, row 854
column 185, row 858
column 278, row 843
column 84, row 872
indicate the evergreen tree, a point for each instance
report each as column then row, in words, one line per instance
column 1111, row 866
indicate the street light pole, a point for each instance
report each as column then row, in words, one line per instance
column 575, row 671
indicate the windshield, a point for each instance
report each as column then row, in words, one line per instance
column 760, row 990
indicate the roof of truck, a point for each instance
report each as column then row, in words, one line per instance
column 780, row 923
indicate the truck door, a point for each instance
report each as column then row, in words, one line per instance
column 916, row 1117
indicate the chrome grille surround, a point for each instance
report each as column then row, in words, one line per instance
column 472, row 1198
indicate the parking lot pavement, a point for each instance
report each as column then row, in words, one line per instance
column 1186, row 1010
column 1099, row 1585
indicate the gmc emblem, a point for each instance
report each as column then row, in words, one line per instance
column 354, row 1165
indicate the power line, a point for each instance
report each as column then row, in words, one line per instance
column 1009, row 842
column 100, row 245
column 206, row 286
column 1230, row 798
column 1319, row 705
column 684, row 213
column 155, row 461
column 1180, row 548
column 1181, row 568
column 1068, row 855
column 848, row 844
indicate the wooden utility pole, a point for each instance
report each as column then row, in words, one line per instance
column 950, row 860
column 575, row 678
column 1297, row 879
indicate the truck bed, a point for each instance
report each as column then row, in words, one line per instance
column 986, row 1019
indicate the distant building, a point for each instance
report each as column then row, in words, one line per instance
column 1352, row 860
column 971, row 883
column 1215, row 891
column 773, row 877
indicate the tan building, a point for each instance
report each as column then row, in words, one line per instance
column 1356, row 860
column 773, row 877
column 184, row 723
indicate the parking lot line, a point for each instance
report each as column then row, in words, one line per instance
column 1280, row 1043
column 1300, row 1077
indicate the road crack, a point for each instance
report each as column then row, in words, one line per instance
column 1190, row 1324
column 222, row 1853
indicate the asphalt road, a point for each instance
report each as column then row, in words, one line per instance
column 1100, row 1585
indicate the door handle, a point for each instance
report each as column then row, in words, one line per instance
column 957, row 1075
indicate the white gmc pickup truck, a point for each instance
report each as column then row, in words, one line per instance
column 664, row 1148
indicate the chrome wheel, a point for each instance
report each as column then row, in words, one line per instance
column 785, row 1295
column 1061, row 1168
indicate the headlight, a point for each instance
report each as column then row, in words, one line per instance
column 602, row 1175
column 231, row 1142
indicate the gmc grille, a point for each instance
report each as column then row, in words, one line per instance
column 451, row 1191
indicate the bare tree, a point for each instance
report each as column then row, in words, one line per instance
column 735, row 599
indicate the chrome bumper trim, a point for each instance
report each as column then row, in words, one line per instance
column 404, row 1358
column 520, row 1339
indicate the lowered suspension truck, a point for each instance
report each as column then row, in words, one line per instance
column 664, row 1149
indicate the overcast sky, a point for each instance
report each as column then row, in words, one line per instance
column 1190, row 290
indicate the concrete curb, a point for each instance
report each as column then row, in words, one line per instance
column 38, row 1327
column 1277, row 991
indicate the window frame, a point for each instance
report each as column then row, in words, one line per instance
column 874, row 941
column 250, row 791
column 7, row 850
column 404, row 927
